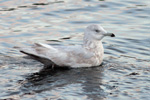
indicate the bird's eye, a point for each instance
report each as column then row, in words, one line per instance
column 97, row 31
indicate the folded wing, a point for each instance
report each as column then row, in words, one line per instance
column 74, row 56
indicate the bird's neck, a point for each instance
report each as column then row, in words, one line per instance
column 91, row 44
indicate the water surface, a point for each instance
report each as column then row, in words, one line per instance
column 125, row 73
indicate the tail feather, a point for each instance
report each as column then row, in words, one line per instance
column 45, row 61
column 40, row 52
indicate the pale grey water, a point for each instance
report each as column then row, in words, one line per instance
column 125, row 73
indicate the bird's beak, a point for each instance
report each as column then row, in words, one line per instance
column 109, row 34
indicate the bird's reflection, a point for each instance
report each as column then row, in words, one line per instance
column 48, row 79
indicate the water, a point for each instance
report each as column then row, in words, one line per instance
column 125, row 73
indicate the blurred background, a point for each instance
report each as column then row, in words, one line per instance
column 125, row 73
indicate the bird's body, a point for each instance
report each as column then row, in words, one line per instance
column 89, row 54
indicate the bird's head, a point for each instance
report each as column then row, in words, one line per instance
column 96, row 32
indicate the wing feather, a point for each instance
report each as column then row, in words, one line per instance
column 61, row 56
column 46, row 54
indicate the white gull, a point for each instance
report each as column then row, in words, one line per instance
column 89, row 54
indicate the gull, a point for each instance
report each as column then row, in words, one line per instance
column 89, row 54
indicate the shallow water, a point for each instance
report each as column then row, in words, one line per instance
column 125, row 73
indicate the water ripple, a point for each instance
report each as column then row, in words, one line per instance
column 126, row 59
